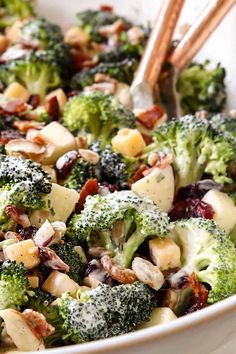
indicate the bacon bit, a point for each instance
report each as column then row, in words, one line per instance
column 24, row 125
column 15, row 106
column 200, row 295
column 147, row 138
column 150, row 117
column 8, row 135
column 116, row 27
column 106, row 8
column 50, row 259
column 18, row 215
column 123, row 276
column 138, row 175
column 53, row 108
column 89, row 188
column 38, row 322
column 34, row 101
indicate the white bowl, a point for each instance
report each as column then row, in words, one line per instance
column 209, row 331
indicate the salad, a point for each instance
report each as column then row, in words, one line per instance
column 111, row 220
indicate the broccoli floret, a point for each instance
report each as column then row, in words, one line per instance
column 91, row 21
column 197, row 149
column 42, row 33
column 38, row 72
column 201, row 88
column 224, row 123
column 13, row 285
column 123, row 71
column 141, row 219
column 98, row 114
column 67, row 252
column 115, row 168
column 40, row 301
column 105, row 311
column 209, row 252
column 80, row 173
column 15, row 10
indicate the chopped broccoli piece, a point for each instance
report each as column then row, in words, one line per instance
column 123, row 71
column 80, row 173
column 141, row 218
column 40, row 301
column 38, row 72
column 105, row 311
column 13, row 285
column 197, row 149
column 201, row 88
column 67, row 252
column 224, row 123
column 91, row 21
column 209, row 252
column 15, row 10
column 98, row 114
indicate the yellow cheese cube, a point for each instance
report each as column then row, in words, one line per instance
column 128, row 142
column 75, row 36
column 25, row 252
column 59, row 141
column 60, row 203
column 61, row 97
column 16, row 90
column 58, row 283
column 165, row 253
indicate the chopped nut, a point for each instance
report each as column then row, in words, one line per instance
column 123, row 276
column 147, row 273
column 153, row 158
column 89, row 156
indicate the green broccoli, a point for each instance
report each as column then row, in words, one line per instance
column 91, row 21
column 23, row 184
column 224, row 123
column 38, row 72
column 115, row 168
column 80, row 173
column 98, row 114
column 14, row 10
column 208, row 252
column 67, row 252
column 40, row 301
column 141, row 219
column 105, row 311
column 123, row 71
column 197, row 149
column 201, row 88
column 13, row 285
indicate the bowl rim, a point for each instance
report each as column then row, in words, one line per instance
column 148, row 334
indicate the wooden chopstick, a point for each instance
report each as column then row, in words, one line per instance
column 159, row 43
column 199, row 32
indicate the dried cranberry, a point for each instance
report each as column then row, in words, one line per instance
column 89, row 188
column 186, row 208
column 65, row 163
column 111, row 187
column 106, row 8
column 73, row 93
column 197, row 190
column 150, row 117
column 27, row 232
column 53, row 108
column 34, row 100
column 8, row 135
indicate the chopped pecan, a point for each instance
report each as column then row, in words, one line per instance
column 123, row 276
column 50, row 259
column 90, row 188
column 38, row 322
column 150, row 117
column 53, row 108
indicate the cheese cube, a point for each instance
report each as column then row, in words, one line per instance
column 25, row 252
column 15, row 91
column 160, row 315
column 60, row 203
column 75, row 36
column 128, row 142
column 33, row 281
column 59, row 141
column 58, row 283
column 165, row 253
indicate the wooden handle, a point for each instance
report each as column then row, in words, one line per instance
column 199, row 32
column 159, row 43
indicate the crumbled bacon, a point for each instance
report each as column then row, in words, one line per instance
column 138, row 174
column 38, row 322
column 8, row 135
column 53, row 108
column 50, row 259
column 82, row 60
column 106, row 8
column 90, row 188
column 18, row 215
column 200, row 295
column 150, row 117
